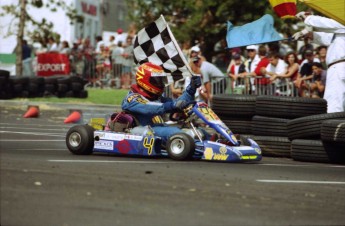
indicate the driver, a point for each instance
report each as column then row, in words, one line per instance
column 146, row 103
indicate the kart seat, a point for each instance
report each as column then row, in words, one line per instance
column 120, row 122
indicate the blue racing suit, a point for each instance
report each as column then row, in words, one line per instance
column 150, row 112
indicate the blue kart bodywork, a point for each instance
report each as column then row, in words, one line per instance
column 228, row 149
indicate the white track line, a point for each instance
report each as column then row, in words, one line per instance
column 35, row 134
column 301, row 182
column 26, row 128
column 300, row 165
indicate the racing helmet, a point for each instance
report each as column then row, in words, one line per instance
column 151, row 78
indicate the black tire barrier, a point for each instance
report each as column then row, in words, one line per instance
column 239, row 126
column 268, row 126
column 241, row 106
column 289, row 107
column 309, row 127
column 333, row 131
column 317, row 151
column 273, row 146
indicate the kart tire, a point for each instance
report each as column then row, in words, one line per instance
column 268, row 126
column 333, row 131
column 317, row 151
column 274, row 146
column 309, row 127
column 289, row 107
column 80, row 139
column 180, row 147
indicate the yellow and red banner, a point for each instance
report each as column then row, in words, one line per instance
column 284, row 8
column 49, row 64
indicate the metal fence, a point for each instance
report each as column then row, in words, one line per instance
column 116, row 76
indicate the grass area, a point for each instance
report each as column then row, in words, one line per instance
column 95, row 96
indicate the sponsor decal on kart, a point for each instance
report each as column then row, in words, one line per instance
column 104, row 144
column 210, row 155
column 117, row 136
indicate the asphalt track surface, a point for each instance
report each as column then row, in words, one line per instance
column 42, row 183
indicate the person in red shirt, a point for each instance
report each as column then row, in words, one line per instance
column 262, row 83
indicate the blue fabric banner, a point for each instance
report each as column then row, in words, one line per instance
column 256, row 32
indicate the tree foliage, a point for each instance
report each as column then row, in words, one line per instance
column 202, row 20
column 40, row 31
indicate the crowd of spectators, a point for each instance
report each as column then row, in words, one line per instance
column 106, row 60
column 273, row 69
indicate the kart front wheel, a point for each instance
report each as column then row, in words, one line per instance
column 79, row 139
column 180, row 146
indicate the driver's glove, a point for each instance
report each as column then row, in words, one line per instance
column 195, row 82
column 182, row 104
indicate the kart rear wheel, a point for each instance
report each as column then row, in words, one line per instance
column 79, row 139
column 180, row 146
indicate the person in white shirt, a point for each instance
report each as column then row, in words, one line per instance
column 275, row 68
column 251, row 64
column 332, row 34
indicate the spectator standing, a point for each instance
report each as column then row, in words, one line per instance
column 88, row 58
column 262, row 83
column 290, row 73
column 65, row 48
column 207, row 71
column 317, row 86
column 116, row 56
column 307, row 46
column 305, row 71
column 321, row 55
column 120, row 37
column 251, row 64
column 127, row 63
column 76, row 58
column 276, row 67
column 235, row 70
column 52, row 46
column 26, row 59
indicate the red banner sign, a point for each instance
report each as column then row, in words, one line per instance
column 49, row 64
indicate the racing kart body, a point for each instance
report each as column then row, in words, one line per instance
column 190, row 144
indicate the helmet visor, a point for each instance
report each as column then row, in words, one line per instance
column 159, row 79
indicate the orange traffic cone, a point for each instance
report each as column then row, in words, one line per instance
column 74, row 117
column 32, row 112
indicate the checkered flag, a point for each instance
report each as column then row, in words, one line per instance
column 156, row 44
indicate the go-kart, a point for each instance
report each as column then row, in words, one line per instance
column 97, row 136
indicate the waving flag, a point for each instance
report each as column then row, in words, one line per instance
column 257, row 32
column 284, row 8
column 156, row 44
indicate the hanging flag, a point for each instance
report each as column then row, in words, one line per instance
column 257, row 32
column 284, row 8
column 156, row 44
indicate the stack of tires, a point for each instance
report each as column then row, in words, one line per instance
column 292, row 127
column 273, row 115
column 236, row 111
column 60, row 86
column 318, row 138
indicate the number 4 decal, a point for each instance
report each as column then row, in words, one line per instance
column 149, row 145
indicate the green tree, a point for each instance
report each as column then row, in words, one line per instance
column 203, row 20
column 42, row 29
